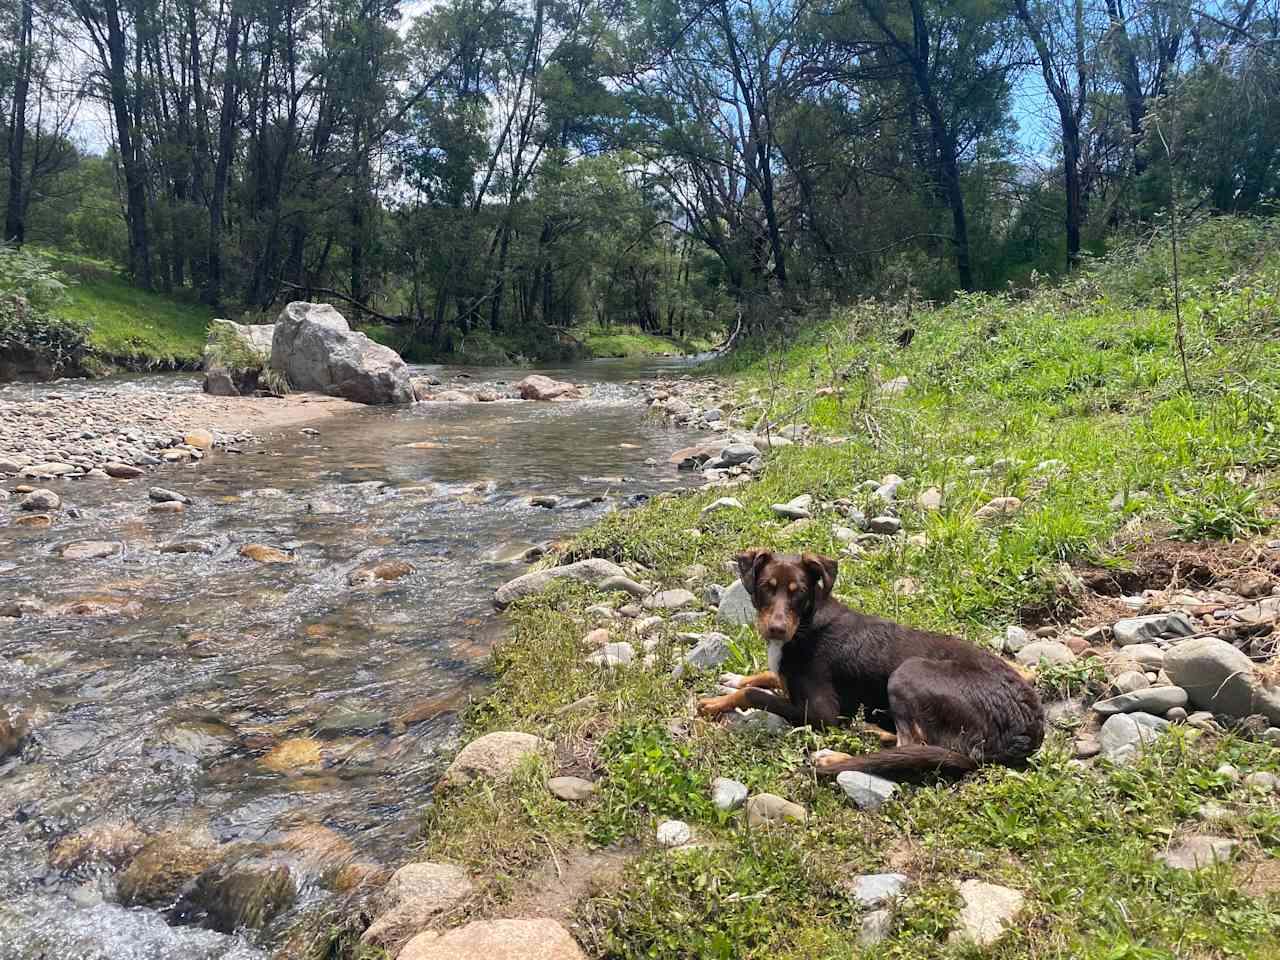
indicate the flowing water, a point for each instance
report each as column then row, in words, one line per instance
column 169, row 717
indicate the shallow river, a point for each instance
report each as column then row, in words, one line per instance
column 167, row 720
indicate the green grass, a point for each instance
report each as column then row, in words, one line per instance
column 131, row 327
column 1070, row 398
column 483, row 348
column 622, row 341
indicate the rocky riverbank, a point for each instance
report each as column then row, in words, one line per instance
column 83, row 432
column 590, row 798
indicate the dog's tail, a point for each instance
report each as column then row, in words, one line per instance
column 915, row 762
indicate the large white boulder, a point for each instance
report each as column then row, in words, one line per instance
column 315, row 349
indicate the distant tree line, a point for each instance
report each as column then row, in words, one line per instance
column 509, row 166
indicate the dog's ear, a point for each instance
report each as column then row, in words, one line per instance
column 822, row 574
column 750, row 563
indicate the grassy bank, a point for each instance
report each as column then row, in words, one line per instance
column 1073, row 399
column 621, row 341
column 482, row 348
column 129, row 327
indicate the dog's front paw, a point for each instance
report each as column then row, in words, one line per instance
column 828, row 762
column 714, row 706
column 733, row 680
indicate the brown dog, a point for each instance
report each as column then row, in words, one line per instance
column 951, row 705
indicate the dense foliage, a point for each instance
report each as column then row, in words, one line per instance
column 476, row 170
column 29, row 328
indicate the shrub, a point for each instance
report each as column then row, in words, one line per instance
column 29, row 291
column 245, row 362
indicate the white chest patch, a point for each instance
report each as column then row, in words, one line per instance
column 775, row 657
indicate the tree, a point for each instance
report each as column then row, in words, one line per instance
column 957, row 59
column 1062, row 47
column 105, row 28
column 14, row 207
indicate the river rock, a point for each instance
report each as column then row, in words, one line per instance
column 495, row 756
column 612, row 655
column 163, row 867
column 1220, row 678
column 22, row 607
column 736, row 453
column 728, row 794
column 1015, row 638
column 294, row 755
column 532, row 939
column 1154, row 627
column 1124, row 735
column 537, row 387
column 866, row 791
column 998, row 507
column 768, row 808
column 930, row 500
column 90, row 549
column 100, row 606
column 1262, row 780
column 1157, row 700
column 711, row 650
column 200, row 439
column 246, row 893
column 1130, row 680
column 12, row 734
column 415, row 894
column 669, row 600
column 40, row 500
column 315, row 349
column 794, row 509
column 673, row 833
column 190, row 546
column 386, row 570
column 625, row 584
column 1199, row 851
column 123, row 471
column 168, row 506
column 573, row 789
column 884, row 525
column 721, row 505
column 873, row 889
column 161, row 495
column 1146, row 655
column 986, row 912
column 875, row 927
column 51, row 469
column 736, row 606
column 592, row 571
column 264, row 554
column 1052, row 651
column 103, row 842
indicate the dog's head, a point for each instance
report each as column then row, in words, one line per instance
column 786, row 589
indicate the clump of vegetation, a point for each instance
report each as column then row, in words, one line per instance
column 249, row 366
column 31, row 292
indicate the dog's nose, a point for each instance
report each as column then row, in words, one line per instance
column 777, row 630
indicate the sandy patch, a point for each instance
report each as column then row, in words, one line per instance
column 257, row 414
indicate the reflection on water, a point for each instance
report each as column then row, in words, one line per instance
column 256, row 704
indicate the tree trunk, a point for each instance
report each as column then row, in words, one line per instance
column 14, row 219
column 222, row 169
column 1127, row 64
column 135, row 175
